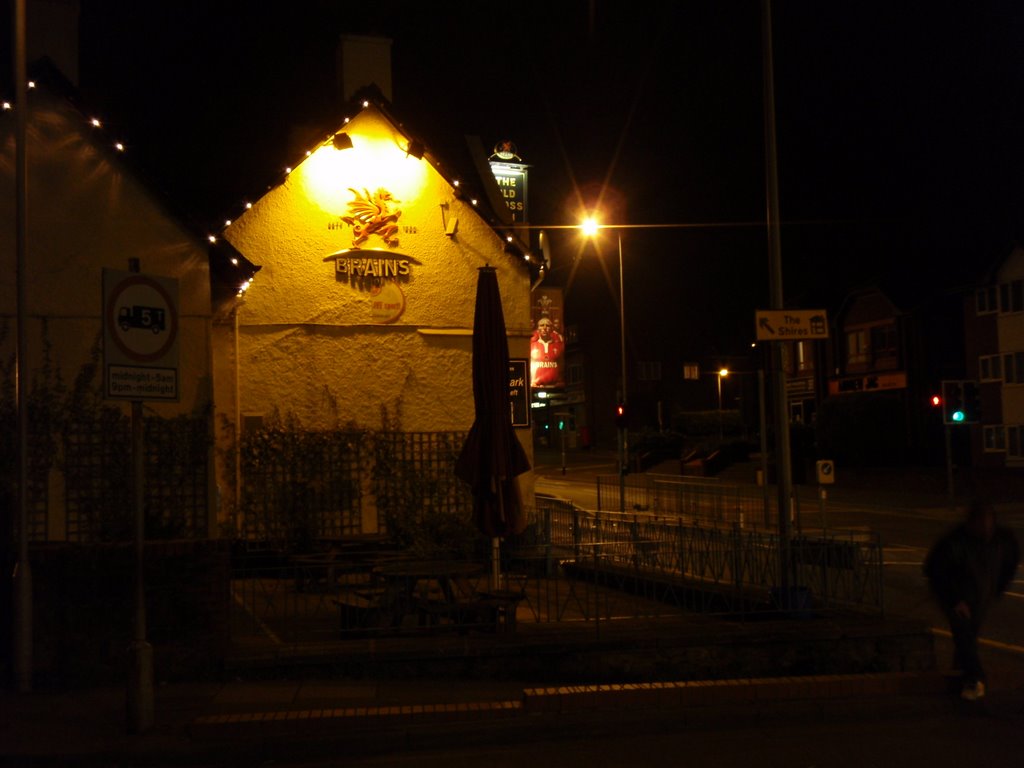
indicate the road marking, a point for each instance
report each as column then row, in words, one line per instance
column 546, row 468
column 1018, row 595
column 983, row 641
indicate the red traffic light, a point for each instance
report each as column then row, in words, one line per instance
column 936, row 401
column 620, row 415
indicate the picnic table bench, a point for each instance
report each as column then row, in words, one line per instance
column 437, row 594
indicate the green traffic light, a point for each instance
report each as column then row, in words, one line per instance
column 958, row 416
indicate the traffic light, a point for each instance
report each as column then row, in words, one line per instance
column 953, row 402
column 971, row 402
column 935, row 400
column 620, row 415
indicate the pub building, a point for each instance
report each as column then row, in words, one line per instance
column 360, row 315
column 337, row 308
column 339, row 303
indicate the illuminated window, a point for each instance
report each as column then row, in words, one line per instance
column 803, row 356
column 857, row 349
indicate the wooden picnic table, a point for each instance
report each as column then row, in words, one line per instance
column 445, row 591
column 323, row 570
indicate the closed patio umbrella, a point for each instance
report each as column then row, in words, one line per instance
column 492, row 456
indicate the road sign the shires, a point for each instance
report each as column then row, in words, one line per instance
column 790, row 324
column 140, row 336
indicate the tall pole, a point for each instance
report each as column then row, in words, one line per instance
column 590, row 227
column 22, row 640
column 763, row 426
column 719, row 408
column 722, row 373
column 949, row 466
column 782, row 448
column 624, row 430
column 140, row 694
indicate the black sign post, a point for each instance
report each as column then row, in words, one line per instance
column 519, row 392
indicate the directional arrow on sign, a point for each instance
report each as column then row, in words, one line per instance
column 766, row 325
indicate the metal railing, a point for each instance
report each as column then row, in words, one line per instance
column 571, row 566
column 840, row 568
column 688, row 497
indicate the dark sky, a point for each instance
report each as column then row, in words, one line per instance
column 900, row 125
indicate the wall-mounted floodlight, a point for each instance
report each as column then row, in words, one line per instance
column 416, row 149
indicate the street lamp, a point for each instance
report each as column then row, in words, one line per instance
column 590, row 227
column 722, row 373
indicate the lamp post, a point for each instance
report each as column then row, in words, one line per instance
column 590, row 228
column 722, row 373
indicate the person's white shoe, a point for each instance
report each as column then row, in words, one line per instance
column 973, row 692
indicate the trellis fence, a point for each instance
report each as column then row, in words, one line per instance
column 302, row 486
column 97, row 477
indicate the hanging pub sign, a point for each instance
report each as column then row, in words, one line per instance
column 547, row 343
column 511, row 176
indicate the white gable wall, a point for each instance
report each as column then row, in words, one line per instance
column 86, row 213
column 325, row 351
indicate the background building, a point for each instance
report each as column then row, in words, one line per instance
column 90, row 212
column 994, row 351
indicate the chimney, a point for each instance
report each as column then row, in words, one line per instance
column 51, row 29
column 363, row 61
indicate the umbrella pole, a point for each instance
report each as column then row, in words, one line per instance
column 496, row 542
column 495, row 563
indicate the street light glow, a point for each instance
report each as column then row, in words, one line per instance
column 589, row 226
column 723, row 372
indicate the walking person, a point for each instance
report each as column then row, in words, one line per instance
column 968, row 568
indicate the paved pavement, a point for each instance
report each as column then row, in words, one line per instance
column 306, row 720
column 256, row 722
column 299, row 721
